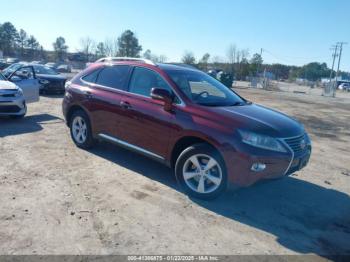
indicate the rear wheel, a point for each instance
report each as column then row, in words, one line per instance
column 80, row 130
column 201, row 172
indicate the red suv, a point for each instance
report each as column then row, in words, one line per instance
column 185, row 119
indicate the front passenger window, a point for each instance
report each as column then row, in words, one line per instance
column 143, row 80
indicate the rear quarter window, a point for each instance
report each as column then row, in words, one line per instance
column 92, row 76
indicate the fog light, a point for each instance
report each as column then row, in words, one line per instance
column 258, row 167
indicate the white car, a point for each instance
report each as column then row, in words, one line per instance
column 20, row 88
column 344, row 86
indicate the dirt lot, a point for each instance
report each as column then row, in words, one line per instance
column 58, row 199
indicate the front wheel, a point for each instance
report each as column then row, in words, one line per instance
column 80, row 130
column 201, row 171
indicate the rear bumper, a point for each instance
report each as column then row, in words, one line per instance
column 239, row 164
column 12, row 107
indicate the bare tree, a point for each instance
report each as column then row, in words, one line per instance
column 60, row 48
column 111, row 47
column 162, row 59
column 216, row 60
column 88, row 46
column 188, row 58
column 231, row 56
column 203, row 62
column 155, row 58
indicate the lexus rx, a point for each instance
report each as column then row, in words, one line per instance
column 186, row 119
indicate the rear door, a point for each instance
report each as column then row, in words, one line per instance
column 25, row 78
column 104, row 89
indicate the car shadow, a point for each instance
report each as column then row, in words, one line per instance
column 28, row 124
column 304, row 217
column 137, row 163
column 53, row 95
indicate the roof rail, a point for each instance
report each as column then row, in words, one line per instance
column 116, row 59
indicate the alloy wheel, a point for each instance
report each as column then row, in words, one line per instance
column 79, row 129
column 202, row 173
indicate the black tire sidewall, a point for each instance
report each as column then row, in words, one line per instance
column 200, row 149
column 89, row 142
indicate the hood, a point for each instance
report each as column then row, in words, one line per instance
column 52, row 77
column 7, row 85
column 261, row 120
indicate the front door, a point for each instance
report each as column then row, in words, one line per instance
column 145, row 124
column 25, row 78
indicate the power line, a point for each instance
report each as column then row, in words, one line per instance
column 288, row 58
column 340, row 53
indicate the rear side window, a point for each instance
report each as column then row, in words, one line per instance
column 91, row 78
column 113, row 76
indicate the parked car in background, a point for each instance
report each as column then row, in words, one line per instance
column 50, row 80
column 344, row 87
column 185, row 119
column 12, row 60
column 64, row 68
column 21, row 88
column 38, row 62
column 51, row 65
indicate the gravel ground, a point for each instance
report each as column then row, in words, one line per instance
column 58, row 199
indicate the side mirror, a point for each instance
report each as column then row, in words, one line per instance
column 163, row 95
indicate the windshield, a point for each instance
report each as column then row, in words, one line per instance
column 44, row 70
column 204, row 90
column 10, row 69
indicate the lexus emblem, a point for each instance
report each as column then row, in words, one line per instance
column 302, row 144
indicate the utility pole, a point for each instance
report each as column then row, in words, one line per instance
column 334, row 55
column 257, row 68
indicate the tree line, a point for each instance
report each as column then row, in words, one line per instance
column 20, row 44
column 237, row 62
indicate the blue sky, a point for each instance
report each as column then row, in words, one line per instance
column 292, row 31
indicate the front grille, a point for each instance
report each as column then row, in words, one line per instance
column 7, row 95
column 9, row 109
column 295, row 144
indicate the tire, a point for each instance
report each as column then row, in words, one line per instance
column 194, row 178
column 80, row 130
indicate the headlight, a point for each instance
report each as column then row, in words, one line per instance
column 19, row 92
column 67, row 84
column 44, row 81
column 261, row 141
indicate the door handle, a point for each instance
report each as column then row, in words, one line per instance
column 125, row 105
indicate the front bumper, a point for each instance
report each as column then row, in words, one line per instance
column 12, row 107
column 239, row 162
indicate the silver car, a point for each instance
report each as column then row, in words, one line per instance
column 20, row 88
